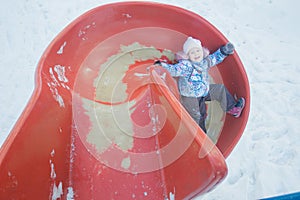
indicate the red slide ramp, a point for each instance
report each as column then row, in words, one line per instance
column 103, row 123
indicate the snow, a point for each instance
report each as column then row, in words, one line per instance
column 266, row 35
column 70, row 195
column 57, row 191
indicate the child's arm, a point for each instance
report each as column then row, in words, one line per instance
column 176, row 70
column 219, row 55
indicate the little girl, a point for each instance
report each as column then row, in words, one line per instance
column 194, row 88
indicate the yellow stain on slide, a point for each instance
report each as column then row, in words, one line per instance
column 111, row 123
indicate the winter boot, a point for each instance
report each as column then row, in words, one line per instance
column 238, row 108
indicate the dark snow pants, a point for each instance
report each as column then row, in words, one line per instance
column 196, row 107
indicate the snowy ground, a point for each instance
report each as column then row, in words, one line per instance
column 266, row 35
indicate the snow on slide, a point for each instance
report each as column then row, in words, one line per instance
column 103, row 123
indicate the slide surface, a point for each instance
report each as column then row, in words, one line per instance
column 103, row 123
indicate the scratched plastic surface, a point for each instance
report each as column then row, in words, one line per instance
column 103, row 123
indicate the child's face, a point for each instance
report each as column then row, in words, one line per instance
column 196, row 54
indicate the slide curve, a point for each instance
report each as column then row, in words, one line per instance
column 103, row 123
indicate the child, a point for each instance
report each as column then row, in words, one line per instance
column 193, row 82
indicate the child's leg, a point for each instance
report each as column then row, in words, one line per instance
column 220, row 93
column 196, row 107
column 202, row 108
column 192, row 107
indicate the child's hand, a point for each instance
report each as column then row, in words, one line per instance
column 157, row 63
column 227, row 49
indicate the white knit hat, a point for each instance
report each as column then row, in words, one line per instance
column 191, row 43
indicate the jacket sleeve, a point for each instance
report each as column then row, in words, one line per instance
column 215, row 58
column 176, row 70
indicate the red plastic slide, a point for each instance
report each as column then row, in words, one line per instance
column 103, row 123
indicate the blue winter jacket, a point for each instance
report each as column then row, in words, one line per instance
column 193, row 76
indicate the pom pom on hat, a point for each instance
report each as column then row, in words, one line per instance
column 191, row 43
